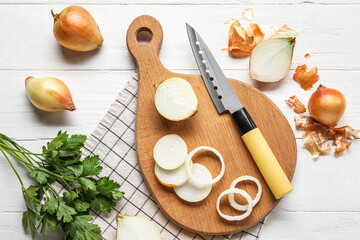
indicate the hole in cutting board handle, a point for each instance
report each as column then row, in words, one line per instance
column 144, row 36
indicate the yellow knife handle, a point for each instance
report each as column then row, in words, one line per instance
column 262, row 154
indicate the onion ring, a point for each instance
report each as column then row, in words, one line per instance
column 238, row 217
column 192, row 177
column 231, row 197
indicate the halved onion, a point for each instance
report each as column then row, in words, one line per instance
column 175, row 99
column 256, row 199
column 238, row 217
column 172, row 178
column 271, row 59
column 170, row 152
column 197, row 179
column 135, row 228
column 191, row 191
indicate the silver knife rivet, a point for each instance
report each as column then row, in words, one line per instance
column 197, row 43
column 200, row 52
column 207, row 70
column 204, row 61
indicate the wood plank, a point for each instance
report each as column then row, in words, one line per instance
column 311, row 225
column 186, row 2
column 92, row 99
column 320, row 35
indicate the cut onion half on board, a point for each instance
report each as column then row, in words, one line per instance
column 170, row 152
column 231, row 196
column 237, row 217
column 175, row 99
column 196, row 178
column 191, row 191
column 172, row 178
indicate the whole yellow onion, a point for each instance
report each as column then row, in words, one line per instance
column 327, row 105
column 76, row 29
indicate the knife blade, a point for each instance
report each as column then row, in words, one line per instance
column 225, row 100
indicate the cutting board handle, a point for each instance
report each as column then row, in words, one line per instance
column 146, row 56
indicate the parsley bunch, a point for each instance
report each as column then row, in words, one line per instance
column 60, row 162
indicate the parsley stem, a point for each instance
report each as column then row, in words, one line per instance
column 12, row 166
column 52, row 189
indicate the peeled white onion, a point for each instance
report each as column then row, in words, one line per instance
column 191, row 191
column 170, row 152
column 171, row 178
column 195, row 178
column 271, row 59
column 175, row 99
column 136, row 228
column 231, row 197
column 237, row 217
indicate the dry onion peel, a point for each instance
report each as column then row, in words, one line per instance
column 241, row 41
column 231, row 196
column 248, row 14
column 136, row 228
column 306, row 79
column 170, row 151
column 171, row 178
column 49, row 94
column 191, row 191
column 327, row 105
column 316, row 136
column 75, row 29
column 175, row 99
column 238, row 217
column 195, row 178
column 271, row 59
column 284, row 32
column 294, row 101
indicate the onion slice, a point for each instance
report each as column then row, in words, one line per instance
column 270, row 60
column 238, row 217
column 175, row 99
column 231, row 197
column 135, row 228
column 170, row 152
column 171, row 178
column 191, row 191
column 195, row 178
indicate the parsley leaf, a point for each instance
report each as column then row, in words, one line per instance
column 65, row 212
column 107, row 187
column 51, row 206
column 90, row 166
column 102, row 203
column 87, row 184
column 41, row 177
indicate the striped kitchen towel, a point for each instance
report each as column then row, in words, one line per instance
column 114, row 141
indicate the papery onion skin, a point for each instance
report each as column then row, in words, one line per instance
column 49, row 94
column 327, row 105
column 75, row 29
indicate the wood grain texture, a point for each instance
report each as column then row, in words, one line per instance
column 205, row 128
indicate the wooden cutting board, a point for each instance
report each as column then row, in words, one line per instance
column 206, row 128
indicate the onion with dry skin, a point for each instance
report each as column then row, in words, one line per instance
column 49, row 94
column 327, row 105
column 76, row 29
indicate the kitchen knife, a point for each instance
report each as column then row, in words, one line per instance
column 225, row 99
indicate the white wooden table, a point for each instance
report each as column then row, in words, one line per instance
column 325, row 203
